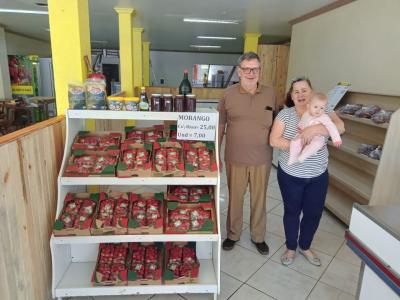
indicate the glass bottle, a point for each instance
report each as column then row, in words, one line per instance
column 144, row 102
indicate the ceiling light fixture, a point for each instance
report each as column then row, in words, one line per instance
column 23, row 11
column 216, row 37
column 214, row 21
column 205, row 46
column 41, row 4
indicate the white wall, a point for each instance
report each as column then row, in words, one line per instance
column 170, row 65
column 358, row 43
column 17, row 44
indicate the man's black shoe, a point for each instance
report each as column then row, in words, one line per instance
column 228, row 244
column 261, row 247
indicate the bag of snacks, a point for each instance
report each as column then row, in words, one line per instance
column 76, row 96
column 96, row 93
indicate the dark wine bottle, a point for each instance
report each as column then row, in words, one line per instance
column 185, row 87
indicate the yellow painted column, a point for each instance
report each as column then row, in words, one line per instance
column 251, row 42
column 137, row 57
column 70, row 42
column 125, row 49
column 146, row 63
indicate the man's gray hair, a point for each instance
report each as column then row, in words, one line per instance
column 248, row 56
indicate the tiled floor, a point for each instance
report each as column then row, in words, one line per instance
column 245, row 274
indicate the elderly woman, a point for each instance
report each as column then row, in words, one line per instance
column 303, row 185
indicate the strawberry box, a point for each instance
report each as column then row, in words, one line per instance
column 189, row 218
column 108, row 142
column 135, row 160
column 145, row 263
column 190, row 194
column 181, row 264
column 200, row 159
column 77, row 215
column 168, row 159
column 109, row 218
column 84, row 163
column 146, row 215
column 144, row 135
column 111, row 268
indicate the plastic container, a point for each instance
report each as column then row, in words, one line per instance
column 131, row 103
column 76, row 96
column 96, row 94
column 115, row 103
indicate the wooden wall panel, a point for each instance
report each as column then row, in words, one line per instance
column 274, row 68
column 28, row 174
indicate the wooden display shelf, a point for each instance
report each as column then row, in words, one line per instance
column 352, row 179
column 76, row 282
column 350, row 146
column 339, row 203
column 362, row 120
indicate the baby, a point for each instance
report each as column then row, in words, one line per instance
column 315, row 114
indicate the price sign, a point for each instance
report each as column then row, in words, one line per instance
column 196, row 126
column 336, row 94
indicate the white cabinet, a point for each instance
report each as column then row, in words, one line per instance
column 74, row 258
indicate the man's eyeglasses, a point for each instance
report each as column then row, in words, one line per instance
column 249, row 70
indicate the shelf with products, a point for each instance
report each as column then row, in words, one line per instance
column 352, row 174
column 74, row 257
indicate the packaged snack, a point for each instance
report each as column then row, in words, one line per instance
column 382, row 116
column 76, row 96
column 367, row 111
column 96, row 93
column 350, row 109
column 115, row 103
column 131, row 103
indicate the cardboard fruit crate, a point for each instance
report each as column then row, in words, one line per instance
column 194, row 171
column 98, row 225
column 122, row 277
column 179, row 171
column 191, row 276
column 157, row 226
column 133, row 278
column 80, row 228
column 120, row 224
column 96, row 137
column 146, row 131
column 123, row 170
column 208, row 227
column 73, row 170
column 172, row 195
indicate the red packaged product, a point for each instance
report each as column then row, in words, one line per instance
column 73, row 206
column 160, row 160
column 120, row 253
column 188, row 255
column 186, row 269
column 121, row 208
column 138, row 255
column 107, row 141
column 115, row 270
column 87, row 208
column 104, row 270
column 180, row 225
column 106, row 254
column 179, row 214
column 175, row 255
column 150, row 271
column 174, row 267
column 129, row 158
column 204, row 159
column 85, row 161
column 68, row 220
column 88, row 140
column 106, row 211
column 103, row 161
column 151, row 254
column 136, row 135
column 199, row 214
column 139, row 269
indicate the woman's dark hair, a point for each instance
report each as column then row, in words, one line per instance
column 289, row 101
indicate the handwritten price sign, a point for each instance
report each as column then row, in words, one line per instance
column 196, row 126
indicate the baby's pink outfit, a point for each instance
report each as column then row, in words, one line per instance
column 299, row 153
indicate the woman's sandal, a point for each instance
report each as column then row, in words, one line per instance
column 287, row 260
column 314, row 260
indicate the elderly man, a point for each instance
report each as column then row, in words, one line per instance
column 246, row 110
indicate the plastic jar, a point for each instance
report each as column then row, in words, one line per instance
column 168, row 102
column 131, row 103
column 115, row 103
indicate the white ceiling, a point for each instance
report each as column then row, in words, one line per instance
column 163, row 25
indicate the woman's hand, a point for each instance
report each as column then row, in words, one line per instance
column 310, row 132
